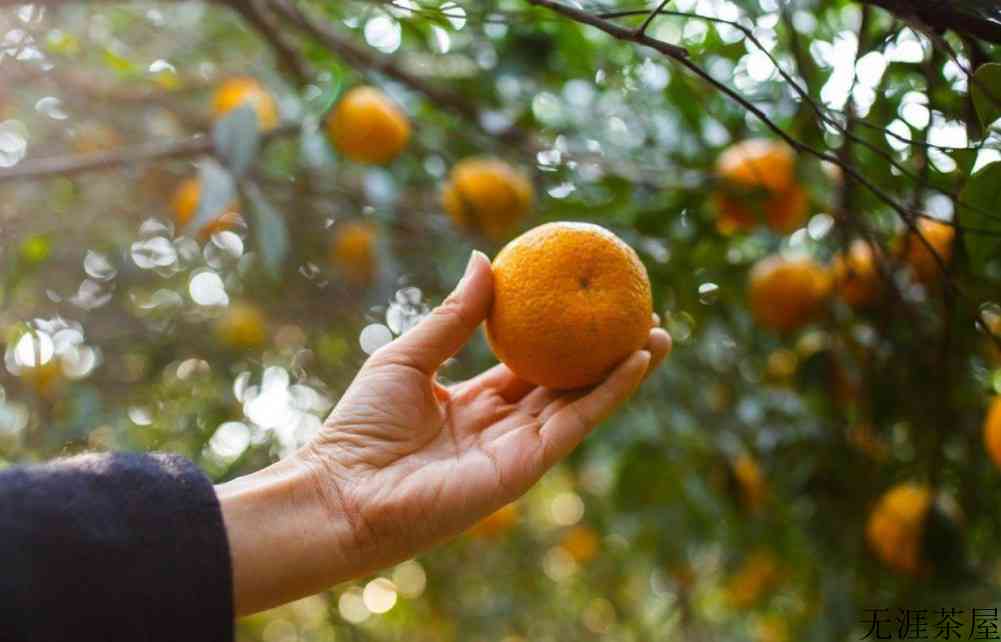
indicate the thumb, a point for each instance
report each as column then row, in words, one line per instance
column 449, row 326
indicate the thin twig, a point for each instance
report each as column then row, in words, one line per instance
column 641, row 30
column 612, row 29
column 908, row 216
column 363, row 57
column 122, row 156
column 287, row 57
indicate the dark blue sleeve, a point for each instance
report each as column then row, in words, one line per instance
column 113, row 547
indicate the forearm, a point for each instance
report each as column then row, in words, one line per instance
column 286, row 540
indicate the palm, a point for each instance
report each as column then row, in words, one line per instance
column 453, row 453
column 416, row 462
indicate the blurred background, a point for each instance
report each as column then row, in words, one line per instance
column 199, row 250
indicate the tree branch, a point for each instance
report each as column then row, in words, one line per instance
column 287, row 57
column 612, row 29
column 907, row 215
column 653, row 14
column 363, row 57
column 122, row 156
column 935, row 15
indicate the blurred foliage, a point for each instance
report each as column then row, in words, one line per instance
column 730, row 500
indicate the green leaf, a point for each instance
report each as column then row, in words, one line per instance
column 217, row 191
column 236, row 139
column 986, row 92
column 268, row 227
column 978, row 210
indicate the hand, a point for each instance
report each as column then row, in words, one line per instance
column 404, row 462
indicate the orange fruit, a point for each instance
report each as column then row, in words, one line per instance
column 581, row 543
column 992, row 431
column 497, row 522
column 243, row 326
column 758, row 183
column 487, row 196
column 367, row 127
column 750, row 480
column 915, row 254
column 786, row 294
column 856, row 275
column 571, row 301
column 185, row 204
column 353, row 251
column 244, row 90
column 757, row 575
column 896, row 526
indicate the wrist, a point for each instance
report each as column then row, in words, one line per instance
column 286, row 539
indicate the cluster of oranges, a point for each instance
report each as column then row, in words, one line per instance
column 484, row 196
column 758, row 184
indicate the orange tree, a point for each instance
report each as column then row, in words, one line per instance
column 211, row 211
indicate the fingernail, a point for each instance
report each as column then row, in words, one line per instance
column 469, row 264
column 473, row 257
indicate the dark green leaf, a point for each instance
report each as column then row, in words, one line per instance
column 217, row 191
column 269, row 230
column 986, row 91
column 236, row 139
column 979, row 211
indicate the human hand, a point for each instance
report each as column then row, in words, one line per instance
column 404, row 462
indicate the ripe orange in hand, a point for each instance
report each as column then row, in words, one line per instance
column 786, row 294
column 367, row 127
column 185, row 204
column 856, row 275
column 915, row 254
column 896, row 527
column 759, row 184
column 244, row 90
column 353, row 251
column 487, row 196
column 571, row 301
